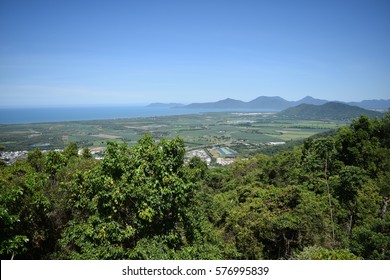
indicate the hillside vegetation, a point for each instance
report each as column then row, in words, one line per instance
column 329, row 111
column 325, row 199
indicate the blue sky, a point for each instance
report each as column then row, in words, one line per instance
column 65, row 53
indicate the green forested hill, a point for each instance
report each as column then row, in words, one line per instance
column 330, row 111
column 325, row 199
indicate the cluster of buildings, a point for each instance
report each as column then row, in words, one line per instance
column 11, row 157
column 224, row 161
column 223, row 156
column 202, row 154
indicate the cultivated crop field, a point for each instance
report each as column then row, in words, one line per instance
column 226, row 152
column 198, row 131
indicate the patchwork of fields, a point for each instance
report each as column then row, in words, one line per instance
column 229, row 131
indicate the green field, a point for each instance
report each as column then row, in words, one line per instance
column 226, row 152
column 199, row 130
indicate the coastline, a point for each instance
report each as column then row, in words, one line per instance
column 10, row 116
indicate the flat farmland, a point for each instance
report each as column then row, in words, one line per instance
column 197, row 130
column 226, row 152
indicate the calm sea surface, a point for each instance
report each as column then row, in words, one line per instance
column 39, row 115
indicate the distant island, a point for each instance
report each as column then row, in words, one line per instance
column 274, row 103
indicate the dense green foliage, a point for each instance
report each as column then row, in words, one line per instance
column 329, row 111
column 324, row 199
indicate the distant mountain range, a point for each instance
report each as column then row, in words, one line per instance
column 274, row 103
column 330, row 110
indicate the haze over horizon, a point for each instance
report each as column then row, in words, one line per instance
column 76, row 53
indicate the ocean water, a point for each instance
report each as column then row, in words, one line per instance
column 41, row 115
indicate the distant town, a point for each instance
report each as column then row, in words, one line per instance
column 221, row 156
